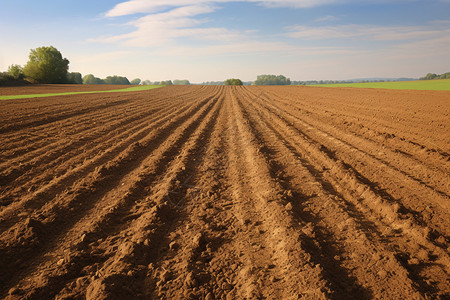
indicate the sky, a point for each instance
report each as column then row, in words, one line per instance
column 212, row 40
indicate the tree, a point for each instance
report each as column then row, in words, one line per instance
column 16, row 71
column 445, row 76
column 233, row 81
column 146, row 82
column 91, row 79
column 165, row 82
column 181, row 82
column 74, row 78
column 46, row 65
column 135, row 81
column 213, row 83
column 116, row 80
column 432, row 76
column 429, row 76
column 272, row 80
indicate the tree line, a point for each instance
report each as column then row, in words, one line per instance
column 432, row 76
column 167, row 82
column 47, row 65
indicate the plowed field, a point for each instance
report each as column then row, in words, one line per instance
column 58, row 88
column 196, row 192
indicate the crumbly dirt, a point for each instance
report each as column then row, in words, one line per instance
column 213, row 192
column 57, row 88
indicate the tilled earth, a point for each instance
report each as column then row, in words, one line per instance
column 212, row 192
column 58, row 88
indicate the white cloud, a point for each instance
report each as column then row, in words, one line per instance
column 179, row 32
column 176, row 35
column 436, row 46
column 152, row 6
column 161, row 29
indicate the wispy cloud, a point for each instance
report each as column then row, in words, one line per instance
column 182, row 30
column 254, row 47
column 436, row 46
column 152, row 6
column 161, row 29
column 327, row 19
column 363, row 32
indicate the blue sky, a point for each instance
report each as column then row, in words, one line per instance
column 208, row 40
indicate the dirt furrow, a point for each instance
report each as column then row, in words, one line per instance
column 153, row 219
column 31, row 231
column 53, row 153
column 27, row 141
column 410, row 114
column 87, row 148
column 126, row 187
column 403, row 168
column 413, row 237
column 58, row 117
column 327, row 111
column 333, row 227
column 327, row 141
column 210, row 192
column 181, row 246
column 35, row 142
column 417, row 168
column 77, row 175
column 385, row 184
column 258, row 198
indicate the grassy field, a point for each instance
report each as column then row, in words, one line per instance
column 436, row 85
column 130, row 89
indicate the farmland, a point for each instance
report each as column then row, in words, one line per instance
column 213, row 192
column 431, row 85
column 42, row 91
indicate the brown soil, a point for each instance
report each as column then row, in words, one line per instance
column 57, row 88
column 195, row 192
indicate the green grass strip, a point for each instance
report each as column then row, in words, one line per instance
column 130, row 89
column 431, row 85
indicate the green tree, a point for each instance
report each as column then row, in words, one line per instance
column 74, row 78
column 135, row 81
column 165, row 82
column 16, row 71
column 272, row 80
column 91, row 79
column 445, row 76
column 146, row 82
column 233, row 81
column 181, row 82
column 429, row 76
column 116, row 80
column 46, row 65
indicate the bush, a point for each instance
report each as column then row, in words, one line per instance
column 74, row 78
column 136, row 81
column 233, row 81
column 116, row 80
column 181, row 82
column 91, row 79
column 16, row 71
column 8, row 80
column 272, row 80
